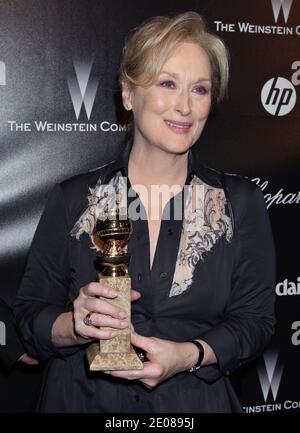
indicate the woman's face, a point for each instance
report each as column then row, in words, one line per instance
column 171, row 113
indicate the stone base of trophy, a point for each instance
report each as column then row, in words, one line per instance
column 116, row 353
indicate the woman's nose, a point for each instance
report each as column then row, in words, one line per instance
column 183, row 103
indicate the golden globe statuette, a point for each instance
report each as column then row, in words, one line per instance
column 111, row 235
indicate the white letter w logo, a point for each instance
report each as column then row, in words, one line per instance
column 269, row 373
column 83, row 89
column 286, row 7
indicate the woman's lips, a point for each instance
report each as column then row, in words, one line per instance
column 179, row 127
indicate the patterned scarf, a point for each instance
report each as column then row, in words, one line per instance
column 204, row 222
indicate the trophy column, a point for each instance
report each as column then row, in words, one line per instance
column 116, row 353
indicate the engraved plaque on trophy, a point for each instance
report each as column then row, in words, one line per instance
column 111, row 235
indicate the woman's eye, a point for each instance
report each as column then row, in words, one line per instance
column 202, row 90
column 168, row 83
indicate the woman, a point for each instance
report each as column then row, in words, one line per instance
column 203, row 298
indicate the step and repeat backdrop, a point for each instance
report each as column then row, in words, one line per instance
column 60, row 115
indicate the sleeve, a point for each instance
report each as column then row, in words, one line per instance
column 43, row 294
column 11, row 347
column 249, row 319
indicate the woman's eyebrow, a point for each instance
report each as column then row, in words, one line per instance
column 174, row 75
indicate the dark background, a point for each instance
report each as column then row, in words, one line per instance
column 39, row 43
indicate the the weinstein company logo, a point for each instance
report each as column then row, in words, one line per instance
column 269, row 373
column 261, row 28
column 286, row 8
column 83, row 88
column 2, row 74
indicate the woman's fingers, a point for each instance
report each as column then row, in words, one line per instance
column 26, row 359
column 92, row 303
column 103, row 320
column 96, row 305
column 94, row 299
column 93, row 333
column 145, row 343
column 97, row 289
column 135, row 295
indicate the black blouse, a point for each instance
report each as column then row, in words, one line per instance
column 229, row 303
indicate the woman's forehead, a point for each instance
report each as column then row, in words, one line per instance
column 189, row 57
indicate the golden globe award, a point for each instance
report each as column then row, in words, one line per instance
column 111, row 235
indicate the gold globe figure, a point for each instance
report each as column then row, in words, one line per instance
column 114, row 233
column 111, row 234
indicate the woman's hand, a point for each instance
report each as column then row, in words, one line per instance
column 102, row 312
column 28, row 360
column 166, row 358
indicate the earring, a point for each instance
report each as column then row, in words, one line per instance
column 127, row 107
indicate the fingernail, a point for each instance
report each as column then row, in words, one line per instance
column 114, row 334
column 113, row 293
column 124, row 323
column 122, row 314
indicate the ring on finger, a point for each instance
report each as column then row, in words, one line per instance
column 87, row 320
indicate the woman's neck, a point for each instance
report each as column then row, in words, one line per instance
column 151, row 165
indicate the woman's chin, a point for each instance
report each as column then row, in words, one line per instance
column 177, row 148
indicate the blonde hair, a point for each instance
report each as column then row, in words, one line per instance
column 148, row 47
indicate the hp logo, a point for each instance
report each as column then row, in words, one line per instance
column 278, row 96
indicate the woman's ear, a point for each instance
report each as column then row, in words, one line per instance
column 127, row 96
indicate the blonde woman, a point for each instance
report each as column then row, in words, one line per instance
column 202, row 303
